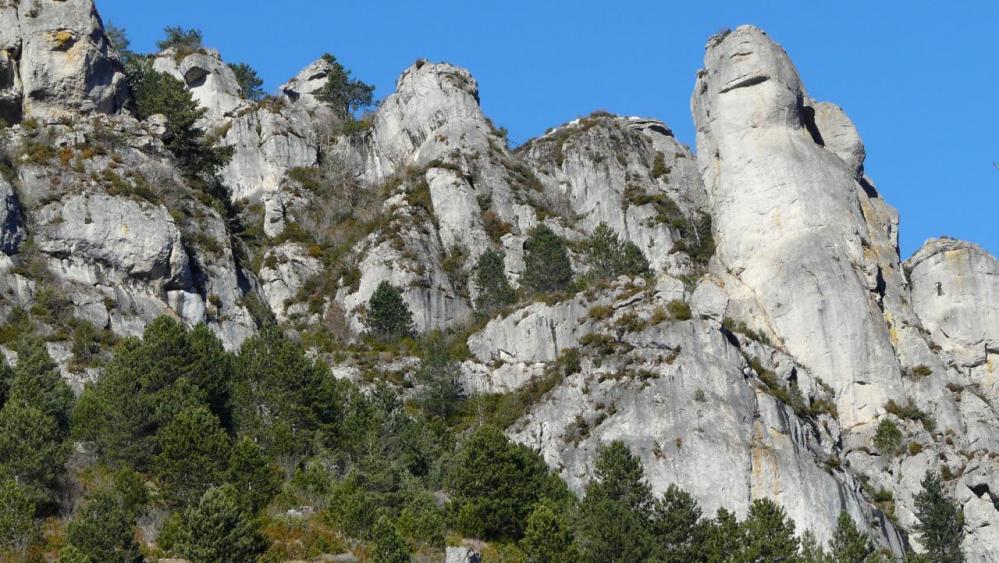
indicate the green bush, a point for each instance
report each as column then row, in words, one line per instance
column 679, row 310
column 546, row 262
column 548, row 536
column 344, row 94
column 887, row 438
column 608, row 256
column 249, row 81
column 33, row 451
column 388, row 546
column 494, row 485
column 491, row 284
column 184, row 41
column 193, row 451
column 17, row 516
column 389, row 317
column 103, row 529
column 219, row 530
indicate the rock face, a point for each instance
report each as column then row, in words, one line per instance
column 955, row 292
column 787, row 219
column 779, row 328
column 55, row 60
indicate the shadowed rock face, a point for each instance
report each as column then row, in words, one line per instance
column 55, row 59
column 788, row 221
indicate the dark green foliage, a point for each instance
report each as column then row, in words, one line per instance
column 548, row 537
column 494, row 485
column 849, row 545
column 193, row 452
column 283, row 400
column 887, row 438
column 941, row 522
column 441, row 392
column 253, row 474
column 344, row 94
column 388, row 546
column 33, row 450
column 119, row 40
column 546, row 262
column 36, row 382
column 769, row 533
column 17, row 513
column 184, row 41
column 608, row 256
column 102, row 529
column 146, row 384
column 677, row 526
column 615, row 515
column 389, row 317
column 219, row 529
column 250, row 83
column 70, row 554
column 724, row 537
column 159, row 93
column 491, row 284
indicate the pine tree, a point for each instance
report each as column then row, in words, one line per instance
column 37, row 383
column 849, row 545
column 344, row 94
column 491, row 284
column 441, row 391
column 17, row 516
column 724, row 537
column 388, row 545
column 389, row 317
column 677, row 526
column 769, row 533
column 608, row 256
column 546, row 262
column 33, row 450
column 620, row 477
column 548, row 537
column 102, row 529
column 219, row 530
column 253, row 474
column 193, row 454
column 249, row 81
column 941, row 522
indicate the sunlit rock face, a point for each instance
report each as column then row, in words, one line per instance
column 788, row 220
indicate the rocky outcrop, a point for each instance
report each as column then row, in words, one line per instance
column 211, row 82
column 788, row 222
column 11, row 223
column 955, row 293
column 55, row 60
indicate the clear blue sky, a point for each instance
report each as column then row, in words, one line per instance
column 919, row 78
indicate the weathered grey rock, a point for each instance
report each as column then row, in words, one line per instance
column 461, row 554
column 11, row 223
column 627, row 172
column 286, row 269
column 955, row 293
column 211, row 82
column 536, row 333
column 788, row 222
column 302, row 89
column 55, row 60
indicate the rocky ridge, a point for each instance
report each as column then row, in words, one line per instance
column 805, row 327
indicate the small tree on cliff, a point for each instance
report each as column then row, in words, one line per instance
column 388, row 317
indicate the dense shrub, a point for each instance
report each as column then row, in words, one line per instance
column 491, row 284
column 389, row 317
column 218, row 529
column 887, row 438
column 103, row 529
column 546, row 262
column 184, row 41
column 608, row 256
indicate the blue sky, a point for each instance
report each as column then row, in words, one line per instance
column 920, row 79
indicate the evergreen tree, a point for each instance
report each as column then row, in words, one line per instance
column 677, row 526
column 724, row 537
column 250, row 83
column 17, row 516
column 193, row 451
column 941, row 522
column 37, row 383
column 344, row 94
column 388, row 546
column 494, row 485
column 160, row 93
column 33, row 451
column 548, row 538
column 441, row 391
column 184, row 41
column 769, row 533
column 252, row 473
column 620, row 477
column 608, row 256
column 546, row 262
column 389, row 317
column 811, row 551
column 119, row 40
column 849, row 545
column 283, row 400
column 491, row 284
column 103, row 529
column 219, row 530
